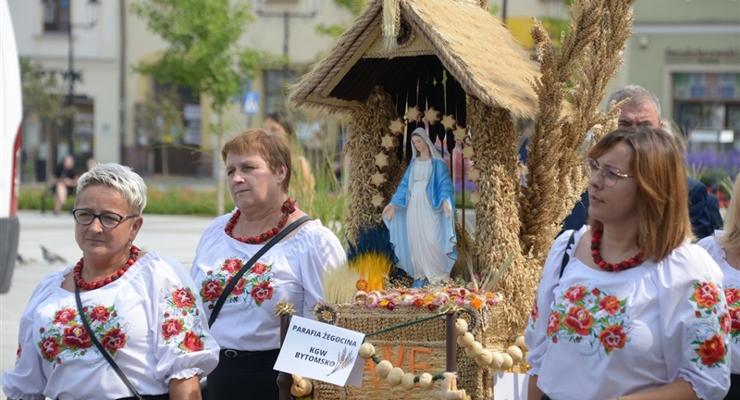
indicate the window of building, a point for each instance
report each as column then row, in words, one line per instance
column 706, row 106
column 276, row 88
column 56, row 15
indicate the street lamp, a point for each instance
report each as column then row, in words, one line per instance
column 73, row 75
column 287, row 15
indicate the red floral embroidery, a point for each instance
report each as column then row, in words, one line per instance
column 613, row 337
column 610, row 304
column 725, row 322
column 18, row 352
column 732, row 295
column 535, row 313
column 183, row 298
column 592, row 317
column 113, row 340
column 261, row 292
column 49, row 348
column 239, row 287
column 192, row 342
column 575, row 294
column 553, row 323
column 64, row 316
column 232, row 265
column 579, row 320
column 76, row 337
column 259, row 268
column 211, row 290
column 706, row 294
column 100, row 314
column 735, row 316
column 171, row 327
column 712, row 351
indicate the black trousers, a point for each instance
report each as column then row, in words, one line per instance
column 244, row 375
column 734, row 392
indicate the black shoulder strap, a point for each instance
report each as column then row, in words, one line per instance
column 102, row 350
column 566, row 257
column 235, row 279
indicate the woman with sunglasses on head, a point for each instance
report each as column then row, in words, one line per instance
column 120, row 323
column 627, row 307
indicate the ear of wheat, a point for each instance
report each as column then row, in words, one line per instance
column 344, row 360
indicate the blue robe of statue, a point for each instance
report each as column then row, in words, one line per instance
column 439, row 188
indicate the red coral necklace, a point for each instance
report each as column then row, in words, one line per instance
column 83, row 284
column 632, row 262
column 287, row 208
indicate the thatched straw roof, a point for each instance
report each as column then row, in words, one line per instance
column 471, row 44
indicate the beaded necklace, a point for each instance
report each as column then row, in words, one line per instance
column 83, row 284
column 287, row 208
column 632, row 262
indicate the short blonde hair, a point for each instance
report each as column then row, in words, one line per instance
column 662, row 194
column 119, row 177
column 272, row 148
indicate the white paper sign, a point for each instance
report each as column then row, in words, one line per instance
column 319, row 351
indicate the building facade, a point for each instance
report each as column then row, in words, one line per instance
column 44, row 36
column 688, row 53
column 110, row 122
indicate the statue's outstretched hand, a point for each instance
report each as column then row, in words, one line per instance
column 447, row 208
column 389, row 211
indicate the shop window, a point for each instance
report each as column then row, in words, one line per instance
column 706, row 106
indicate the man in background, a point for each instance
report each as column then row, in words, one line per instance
column 642, row 108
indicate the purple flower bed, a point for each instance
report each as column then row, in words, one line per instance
column 710, row 159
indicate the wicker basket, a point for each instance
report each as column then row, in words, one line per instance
column 417, row 348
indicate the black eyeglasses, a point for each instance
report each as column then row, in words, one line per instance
column 109, row 220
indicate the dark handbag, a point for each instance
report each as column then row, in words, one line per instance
column 102, row 350
column 566, row 257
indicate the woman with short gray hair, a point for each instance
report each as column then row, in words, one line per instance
column 120, row 322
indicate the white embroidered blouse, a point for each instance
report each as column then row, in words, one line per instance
column 150, row 320
column 732, row 293
column 290, row 271
column 599, row 335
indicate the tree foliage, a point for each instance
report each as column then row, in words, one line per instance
column 42, row 92
column 335, row 30
column 204, row 53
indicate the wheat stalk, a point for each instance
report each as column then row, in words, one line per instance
column 344, row 360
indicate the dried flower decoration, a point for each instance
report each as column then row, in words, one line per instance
column 325, row 313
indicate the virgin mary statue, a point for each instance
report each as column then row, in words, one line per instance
column 420, row 216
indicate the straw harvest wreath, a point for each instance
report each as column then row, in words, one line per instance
column 485, row 358
column 394, row 376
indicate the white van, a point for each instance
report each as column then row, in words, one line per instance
column 11, row 112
